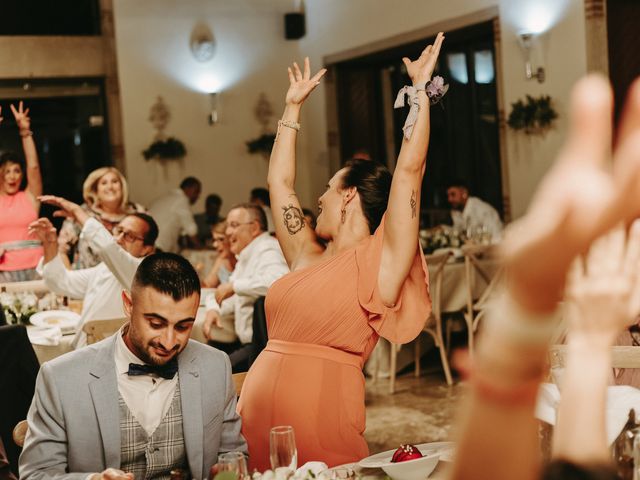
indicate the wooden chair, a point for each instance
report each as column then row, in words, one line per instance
column 621, row 356
column 20, row 432
column 97, row 330
column 433, row 325
column 238, row 381
column 473, row 267
column 35, row 286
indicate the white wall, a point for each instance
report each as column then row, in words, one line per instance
column 154, row 59
column 335, row 26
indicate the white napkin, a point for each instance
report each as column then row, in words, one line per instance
column 620, row 399
column 50, row 336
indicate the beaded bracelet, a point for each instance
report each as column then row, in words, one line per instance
column 26, row 133
column 289, row 124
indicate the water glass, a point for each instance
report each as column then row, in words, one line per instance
column 234, row 462
column 282, row 448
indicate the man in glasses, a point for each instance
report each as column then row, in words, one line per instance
column 99, row 287
column 260, row 263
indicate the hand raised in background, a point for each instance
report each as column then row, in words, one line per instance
column 301, row 84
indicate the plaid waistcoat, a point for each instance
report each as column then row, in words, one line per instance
column 155, row 456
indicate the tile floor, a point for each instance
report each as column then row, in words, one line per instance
column 422, row 410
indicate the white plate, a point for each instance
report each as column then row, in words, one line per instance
column 65, row 319
column 444, row 450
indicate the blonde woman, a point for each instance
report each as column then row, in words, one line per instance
column 106, row 197
column 225, row 261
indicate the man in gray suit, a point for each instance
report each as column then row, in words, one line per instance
column 142, row 403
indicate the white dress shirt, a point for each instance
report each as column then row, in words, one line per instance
column 99, row 287
column 271, row 227
column 478, row 214
column 259, row 265
column 172, row 213
column 147, row 396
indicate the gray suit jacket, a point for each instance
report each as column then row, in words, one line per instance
column 74, row 426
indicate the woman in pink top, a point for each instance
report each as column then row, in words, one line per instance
column 19, row 206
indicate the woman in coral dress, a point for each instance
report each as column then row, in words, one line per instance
column 325, row 317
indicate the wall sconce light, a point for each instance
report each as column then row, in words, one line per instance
column 212, row 118
column 529, row 42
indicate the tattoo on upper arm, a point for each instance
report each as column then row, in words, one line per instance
column 293, row 219
column 413, row 203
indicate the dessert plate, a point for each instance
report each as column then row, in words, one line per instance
column 443, row 450
column 65, row 319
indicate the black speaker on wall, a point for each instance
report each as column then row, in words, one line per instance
column 294, row 26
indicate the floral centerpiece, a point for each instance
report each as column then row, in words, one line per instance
column 18, row 307
column 441, row 237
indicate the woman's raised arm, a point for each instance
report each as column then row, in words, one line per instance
column 295, row 237
column 403, row 211
column 34, row 177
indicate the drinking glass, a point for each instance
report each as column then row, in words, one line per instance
column 234, row 462
column 282, row 448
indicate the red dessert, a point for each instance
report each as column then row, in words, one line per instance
column 405, row 453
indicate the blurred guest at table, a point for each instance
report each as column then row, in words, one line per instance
column 106, row 198
column 172, row 211
column 259, row 264
column 325, row 318
column 19, row 205
column 260, row 196
column 225, row 262
column 472, row 215
column 143, row 403
column 208, row 218
column 578, row 202
column 120, row 252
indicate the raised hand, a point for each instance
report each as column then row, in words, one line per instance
column 603, row 292
column 67, row 208
column 22, row 116
column 578, row 200
column 44, row 230
column 421, row 69
column 301, row 84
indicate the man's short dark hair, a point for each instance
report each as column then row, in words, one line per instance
column 167, row 273
column 257, row 213
column 261, row 194
column 152, row 227
column 190, row 182
column 458, row 182
column 213, row 199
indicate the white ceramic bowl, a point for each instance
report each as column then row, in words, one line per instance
column 417, row 469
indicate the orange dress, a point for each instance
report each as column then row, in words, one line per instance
column 323, row 322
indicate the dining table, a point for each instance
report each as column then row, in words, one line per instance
column 454, row 299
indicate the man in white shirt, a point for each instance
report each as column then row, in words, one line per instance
column 472, row 215
column 143, row 403
column 173, row 214
column 260, row 196
column 260, row 263
column 99, row 287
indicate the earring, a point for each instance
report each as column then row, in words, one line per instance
column 343, row 215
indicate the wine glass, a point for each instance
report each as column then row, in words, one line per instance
column 282, row 448
column 234, row 462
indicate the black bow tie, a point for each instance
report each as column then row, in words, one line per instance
column 168, row 370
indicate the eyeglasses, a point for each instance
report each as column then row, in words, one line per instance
column 234, row 225
column 128, row 236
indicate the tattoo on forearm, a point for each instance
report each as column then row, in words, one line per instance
column 413, row 203
column 293, row 219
